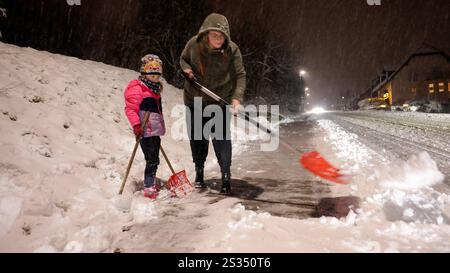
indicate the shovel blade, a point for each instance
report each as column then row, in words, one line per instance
column 316, row 164
column 179, row 184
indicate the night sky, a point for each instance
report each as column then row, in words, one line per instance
column 343, row 43
column 340, row 43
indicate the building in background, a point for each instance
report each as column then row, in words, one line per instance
column 424, row 76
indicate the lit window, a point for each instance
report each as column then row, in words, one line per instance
column 449, row 87
column 441, row 87
column 431, row 87
column 414, row 90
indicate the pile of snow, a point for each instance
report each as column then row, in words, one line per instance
column 248, row 231
column 406, row 194
column 399, row 196
column 417, row 173
column 65, row 146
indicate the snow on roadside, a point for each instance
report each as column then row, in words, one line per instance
column 354, row 155
column 400, row 192
column 65, row 145
column 441, row 120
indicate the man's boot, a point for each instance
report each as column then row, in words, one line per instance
column 226, row 183
column 199, row 178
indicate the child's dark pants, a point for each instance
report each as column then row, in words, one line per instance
column 150, row 147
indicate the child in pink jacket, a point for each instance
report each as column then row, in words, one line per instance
column 144, row 95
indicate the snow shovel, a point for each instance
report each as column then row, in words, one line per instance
column 178, row 183
column 312, row 162
column 315, row 163
column 146, row 117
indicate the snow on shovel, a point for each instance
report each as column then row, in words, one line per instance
column 178, row 183
column 315, row 163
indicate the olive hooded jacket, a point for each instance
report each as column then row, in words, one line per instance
column 220, row 70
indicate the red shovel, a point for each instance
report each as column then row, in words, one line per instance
column 178, row 183
column 315, row 163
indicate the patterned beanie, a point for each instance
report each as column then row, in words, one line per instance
column 151, row 65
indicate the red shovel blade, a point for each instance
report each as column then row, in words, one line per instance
column 179, row 184
column 315, row 163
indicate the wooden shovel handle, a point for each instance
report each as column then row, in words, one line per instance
column 136, row 145
column 167, row 160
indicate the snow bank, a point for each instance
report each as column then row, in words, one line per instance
column 65, row 145
column 398, row 196
column 419, row 172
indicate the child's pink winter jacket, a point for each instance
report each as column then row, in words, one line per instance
column 138, row 99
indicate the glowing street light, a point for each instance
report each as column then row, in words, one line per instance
column 317, row 110
column 302, row 72
column 307, row 89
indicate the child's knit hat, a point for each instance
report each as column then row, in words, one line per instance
column 151, row 65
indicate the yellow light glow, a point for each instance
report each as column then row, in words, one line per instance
column 431, row 87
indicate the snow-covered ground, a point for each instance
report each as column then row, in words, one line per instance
column 65, row 144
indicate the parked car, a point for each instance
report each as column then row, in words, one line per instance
column 427, row 106
column 395, row 108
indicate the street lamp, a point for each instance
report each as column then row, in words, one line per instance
column 302, row 72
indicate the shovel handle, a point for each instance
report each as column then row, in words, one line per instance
column 167, row 160
column 136, row 145
column 223, row 102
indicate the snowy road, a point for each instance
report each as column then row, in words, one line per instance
column 399, row 135
column 276, row 183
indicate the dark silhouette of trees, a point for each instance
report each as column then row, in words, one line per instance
column 119, row 32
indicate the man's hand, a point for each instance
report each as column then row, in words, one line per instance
column 189, row 73
column 237, row 106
